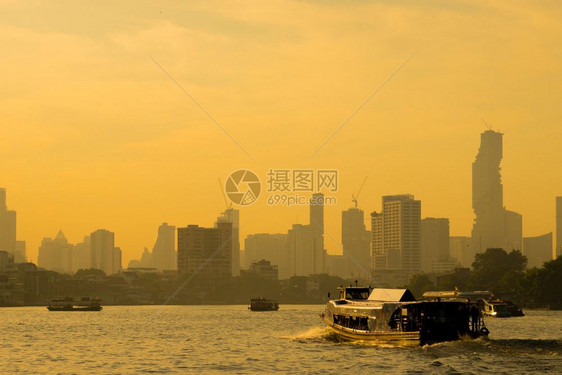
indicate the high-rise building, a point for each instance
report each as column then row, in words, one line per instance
column 104, row 255
column 558, row 251
column 56, row 254
column 459, row 248
column 317, row 212
column 494, row 226
column 397, row 234
column 538, row 250
column 378, row 257
column 306, row 250
column 164, row 251
column 356, row 242
column 205, row 253
column 272, row 247
column 487, row 194
column 231, row 215
column 7, row 225
column 513, row 231
column 83, row 252
column 306, row 242
column 434, row 244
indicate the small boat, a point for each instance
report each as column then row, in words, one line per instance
column 394, row 315
column 263, row 304
column 500, row 309
column 69, row 304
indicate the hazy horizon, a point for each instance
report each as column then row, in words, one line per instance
column 96, row 136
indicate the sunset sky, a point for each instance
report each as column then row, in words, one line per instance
column 95, row 135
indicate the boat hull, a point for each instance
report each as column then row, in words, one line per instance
column 263, row 308
column 407, row 338
column 65, row 308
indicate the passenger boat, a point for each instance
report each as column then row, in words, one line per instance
column 394, row 315
column 501, row 309
column 490, row 305
column 263, row 304
column 69, row 304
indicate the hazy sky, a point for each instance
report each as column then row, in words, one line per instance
column 95, row 135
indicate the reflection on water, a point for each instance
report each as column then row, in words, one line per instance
column 213, row 339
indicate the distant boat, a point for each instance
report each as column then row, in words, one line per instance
column 263, row 304
column 69, row 304
column 490, row 305
column 501, row 309
column 394, row 315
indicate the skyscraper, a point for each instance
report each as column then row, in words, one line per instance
column 317, row 212
column 231, row 215
column 487, row 194
column 272, row 247
column 306, row 242
column 558, row 251
column 459, row 247
column 434, row 242
column 7, row 225
column 356, row 242
column 378, row 257
column 104, row 255
column 205, row 253
column 56, row 254
column 164, row 251
column 397, row 234
column 494, row 226
column 513, row 231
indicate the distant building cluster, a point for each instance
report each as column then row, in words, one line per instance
column 396, row 243
column 96, row 251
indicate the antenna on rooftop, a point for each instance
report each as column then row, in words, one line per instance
column 487, row 125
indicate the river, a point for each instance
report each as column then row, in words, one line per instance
column 216, row 339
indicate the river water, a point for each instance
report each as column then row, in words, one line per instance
column 215, row 339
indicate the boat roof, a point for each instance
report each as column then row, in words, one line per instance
column 391, row 295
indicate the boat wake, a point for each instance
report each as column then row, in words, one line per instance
column 312, row 334
column 325, row 334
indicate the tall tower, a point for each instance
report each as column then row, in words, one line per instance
column 487, row 194
column 164, row 250
column 7, row 225
column 231, row 215
column 205, row 253
column 558, row 250
column 378, row 257
column 434, row 241
column 494, row 226
column 397, row 234
column 317, row 212
column 355, row 241
column 104, row 255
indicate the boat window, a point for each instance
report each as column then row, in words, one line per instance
column 357, row 293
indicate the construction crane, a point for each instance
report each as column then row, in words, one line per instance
column 487, row 125
column 355, row 196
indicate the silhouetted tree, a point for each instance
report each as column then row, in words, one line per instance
column 548, row 284
column 419, row 284
column 83, row 272
column 491, row 266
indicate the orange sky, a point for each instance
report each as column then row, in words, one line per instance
column 95, row 135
